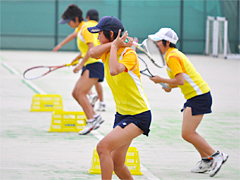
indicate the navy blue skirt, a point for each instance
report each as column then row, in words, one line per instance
column 142, row 120
column 96, row 70
column 199, row 104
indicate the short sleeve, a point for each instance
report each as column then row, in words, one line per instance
column 129, row 60
column 89, row 38
column 174, row 63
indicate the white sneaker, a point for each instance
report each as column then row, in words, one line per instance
column 202, row 167
column 225, row 157
column 95, row 124
column 102, row 107
column 98, row 125
column 99, row 122
column 88, row 128
column 93, row 99
column 217, row 163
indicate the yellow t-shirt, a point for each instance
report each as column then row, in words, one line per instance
column 177, row 63
column 126, row 87
column 92, row 23
column 83, row 38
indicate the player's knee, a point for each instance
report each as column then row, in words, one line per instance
column 77, row 94
column 187, row 136
column 74, row 94
column 100, row 148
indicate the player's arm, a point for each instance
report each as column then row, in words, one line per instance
column 177, row 80
column 98, row 51
column 176, row 68
column 85, row 58
column 114, row 66
column 77, row 58
column 69, row 38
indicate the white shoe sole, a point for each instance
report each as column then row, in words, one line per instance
column 86, row 132
column 225, row 158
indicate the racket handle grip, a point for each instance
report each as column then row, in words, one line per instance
column 164, row 85
column 134, row 43
column 72, row 64
column 75, row 62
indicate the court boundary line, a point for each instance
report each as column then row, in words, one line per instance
column 27, row 82
column 9, row 68
column 98, row 135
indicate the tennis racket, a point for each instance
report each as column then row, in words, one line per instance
column 145, row 70
column 40, row 71
column 150, row 48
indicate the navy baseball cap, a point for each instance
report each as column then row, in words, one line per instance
column 107, row 23
column 64, row 21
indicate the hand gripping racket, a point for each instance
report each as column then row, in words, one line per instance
column 145, row 71
column 40, row 71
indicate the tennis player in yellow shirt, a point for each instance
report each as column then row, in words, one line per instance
column 133, row 116
column 92, row 18
column 197, row 93
column 92, row 69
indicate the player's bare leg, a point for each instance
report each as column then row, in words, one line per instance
column 99, row 90
column 211, row 160
column 117, row 138
column 81, row 89
column 189, row 126
column 102, row 106
column 120, row 168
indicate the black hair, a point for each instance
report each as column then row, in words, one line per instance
column 108, row 35
column 73, row 11
column 93, row 14
column 171, row 44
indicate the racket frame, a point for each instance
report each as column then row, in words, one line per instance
column 150, row 74
column 145, row 50
column 51, row 69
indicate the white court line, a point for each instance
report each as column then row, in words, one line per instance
column 30, row 84
column 11, row 69
column 99, row 136
column 34, row 87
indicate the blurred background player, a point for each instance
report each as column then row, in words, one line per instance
column 197, row 93
column 92, row 69
column 92, row 18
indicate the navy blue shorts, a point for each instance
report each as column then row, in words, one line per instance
column 199, row 104
column 142, row 120
column 96, row 70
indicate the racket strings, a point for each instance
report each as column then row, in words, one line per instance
column 155, row 53
column 144, row 68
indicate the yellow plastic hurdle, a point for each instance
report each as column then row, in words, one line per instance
column 46, row 102
column 67, row 121
column 132, row 162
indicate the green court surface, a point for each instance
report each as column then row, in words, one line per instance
column 29, row 151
